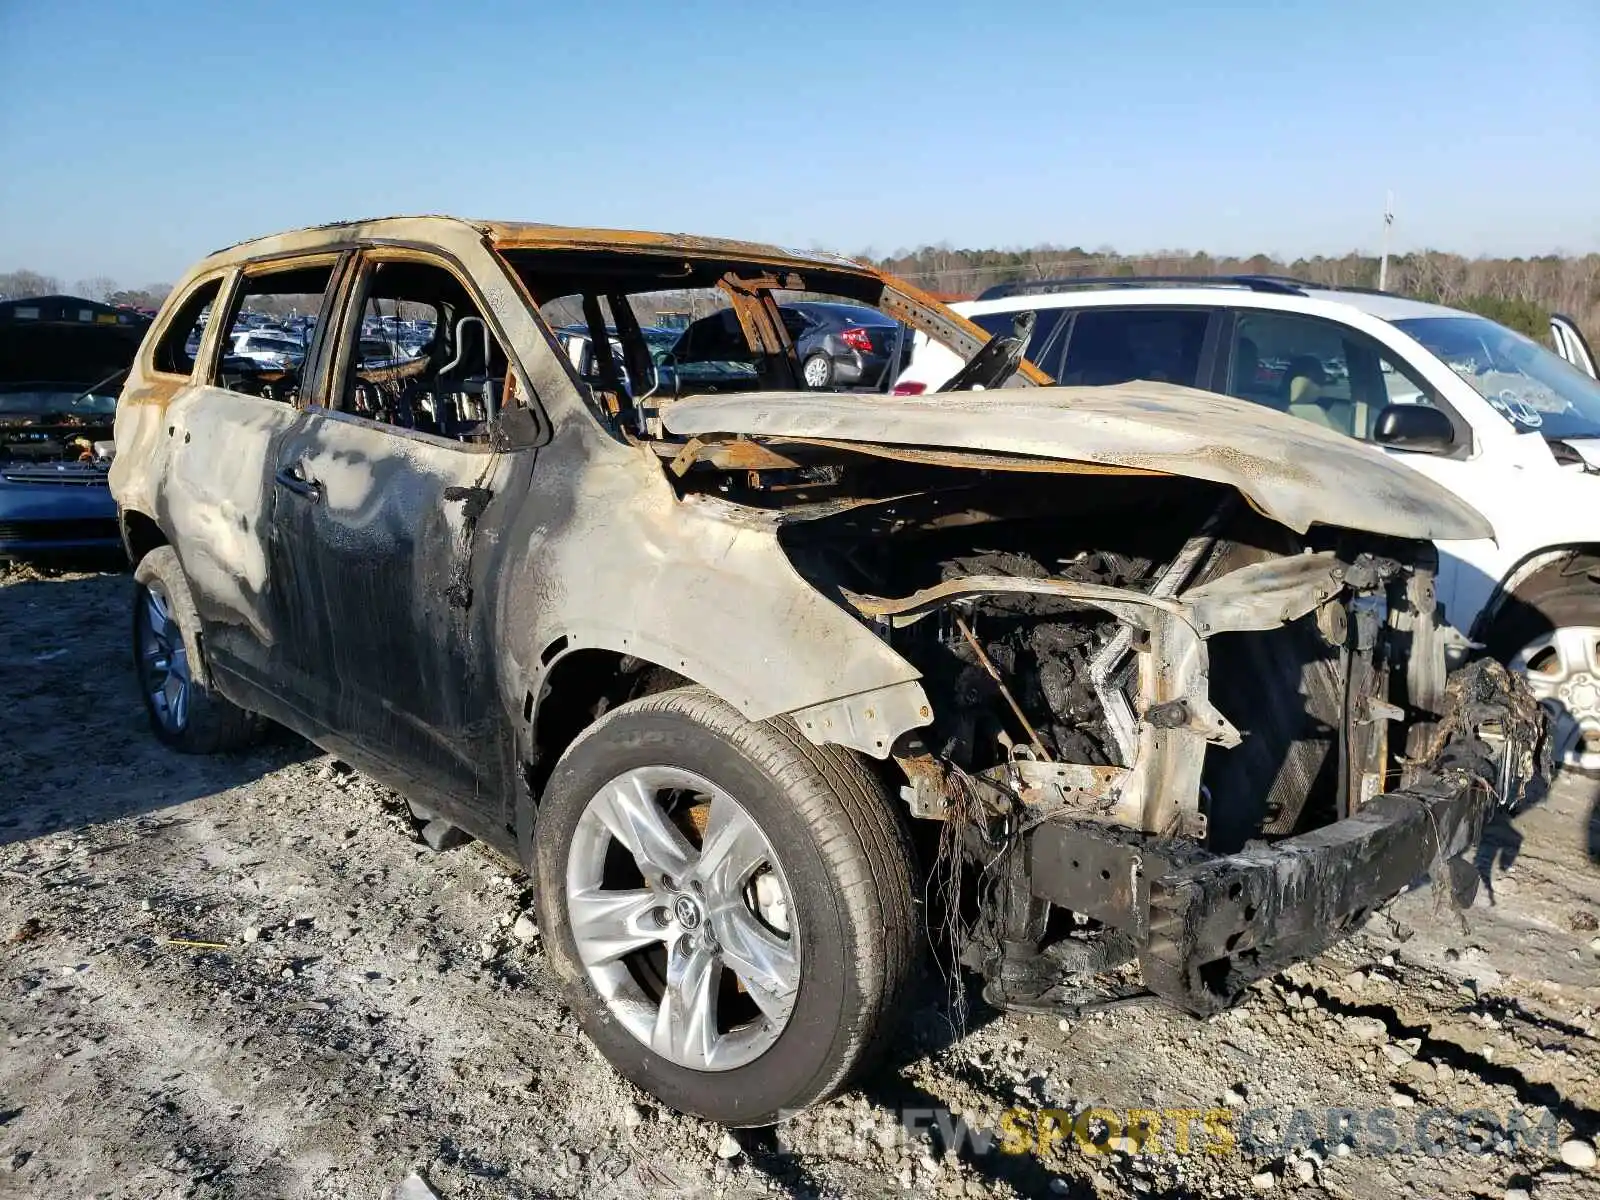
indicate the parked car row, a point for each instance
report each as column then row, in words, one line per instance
column 837, row 345
column 701, row 624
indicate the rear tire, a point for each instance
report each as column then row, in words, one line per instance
column 1550, row 634
column 676, row 770
column 185, row 713
column 817, row 371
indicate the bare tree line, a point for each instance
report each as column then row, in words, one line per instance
column 23, row 284
column 1517, row 291
column 1520, row 292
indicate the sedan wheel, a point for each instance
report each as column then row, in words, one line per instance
column 1562, row 668
column 817, row 371
column 681, row 916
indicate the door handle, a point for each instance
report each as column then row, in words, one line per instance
column 292, row 479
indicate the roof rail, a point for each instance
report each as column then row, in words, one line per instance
column 1255, row 283
column 1312, row 285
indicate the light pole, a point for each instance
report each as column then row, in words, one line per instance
column 1383, row 261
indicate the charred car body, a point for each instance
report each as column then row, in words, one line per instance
column 62, row 360
column 1160, row 670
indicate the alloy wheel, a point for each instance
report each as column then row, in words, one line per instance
column 682, row 918
column 163, row 660
column 1562, row 668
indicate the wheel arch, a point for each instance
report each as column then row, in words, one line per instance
column 579, row 683
column 140, row 534
column 181, row 594
column 576, row 686
column 1548, row 560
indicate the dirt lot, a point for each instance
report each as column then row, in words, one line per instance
column 245, row 977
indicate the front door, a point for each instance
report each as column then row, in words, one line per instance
column 379, row 496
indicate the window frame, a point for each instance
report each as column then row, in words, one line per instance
column 222, row 276
column 1060, row 318
column 334, row 351
column 1461, row 444
column 211, row 355
column 1205, row 363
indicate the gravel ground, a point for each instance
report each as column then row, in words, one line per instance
column 246, row 977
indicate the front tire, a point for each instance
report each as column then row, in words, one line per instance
column 1549, row 633
column 184, row 712
column 729, row 904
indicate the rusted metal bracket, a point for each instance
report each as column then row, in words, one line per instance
column 728, row 454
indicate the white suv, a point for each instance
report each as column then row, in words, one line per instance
column 1507, row 425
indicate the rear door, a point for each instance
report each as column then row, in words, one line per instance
column 221, row 432
column 1165, row 344
column 379, row 496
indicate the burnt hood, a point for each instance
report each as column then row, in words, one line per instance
column 1294, row 472
column 74, row 353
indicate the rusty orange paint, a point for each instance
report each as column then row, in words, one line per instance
column 156, row 390
column 518, row 235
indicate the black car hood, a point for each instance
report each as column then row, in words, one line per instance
column 75, row 355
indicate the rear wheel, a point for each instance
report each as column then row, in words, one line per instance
column 817, row 371
column 184, row 712
column 1550, row 634
column 730, row 904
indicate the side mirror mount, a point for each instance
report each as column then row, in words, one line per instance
column 1419, row 427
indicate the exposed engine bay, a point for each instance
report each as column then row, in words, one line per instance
column 49, row 439
column 61, row 363
column 1133, row 677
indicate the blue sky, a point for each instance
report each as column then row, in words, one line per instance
column 136, row 138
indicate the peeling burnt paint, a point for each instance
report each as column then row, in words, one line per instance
column 1293, row 472
column 473, row 501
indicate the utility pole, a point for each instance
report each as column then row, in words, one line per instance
column 1383, row 262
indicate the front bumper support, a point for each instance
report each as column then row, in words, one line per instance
column 1206, row 925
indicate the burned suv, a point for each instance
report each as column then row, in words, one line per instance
column 1126, row 689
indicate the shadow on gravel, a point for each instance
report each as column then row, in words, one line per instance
column 77, row 750
column 1594, row 830
column 37, row 811
column 928, row 1029
column 1502, row 840
column 1530, row 1093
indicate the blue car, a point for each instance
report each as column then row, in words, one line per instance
column 62, row 360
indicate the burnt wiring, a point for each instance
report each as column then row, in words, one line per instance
column 943, row 888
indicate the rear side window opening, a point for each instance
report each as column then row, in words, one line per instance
column 1119, row 345
column 268, row 332
column 179, row 344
